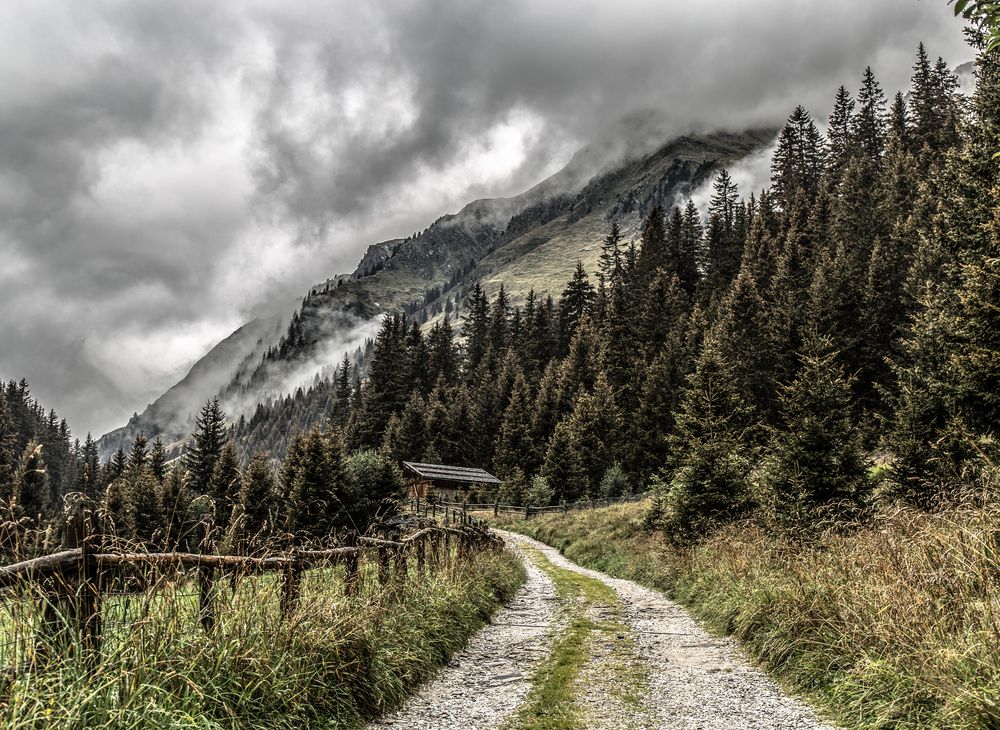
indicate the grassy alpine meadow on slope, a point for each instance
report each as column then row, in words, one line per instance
column 894, row 624
column 334, row 663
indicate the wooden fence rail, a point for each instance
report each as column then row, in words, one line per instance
column 73, row 581
column 460, row 511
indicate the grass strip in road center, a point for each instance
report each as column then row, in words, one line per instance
column 552, row 703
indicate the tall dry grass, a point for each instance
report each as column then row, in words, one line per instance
column 892, row 624
column 337, row 661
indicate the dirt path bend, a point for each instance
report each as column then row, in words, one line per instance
column 487, row 680
column 646, row 664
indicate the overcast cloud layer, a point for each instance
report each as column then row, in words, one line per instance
column 169, row 169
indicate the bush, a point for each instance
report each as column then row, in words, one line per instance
column 615, row 483
column 375, row 488
column 540, row 494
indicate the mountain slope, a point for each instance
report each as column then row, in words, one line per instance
column 530, row 241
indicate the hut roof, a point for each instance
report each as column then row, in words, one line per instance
column 442, row 473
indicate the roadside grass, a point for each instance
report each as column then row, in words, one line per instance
column 895, row 624
column 336, row 662
column 552, row 703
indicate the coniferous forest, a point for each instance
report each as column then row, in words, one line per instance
column 800, row 354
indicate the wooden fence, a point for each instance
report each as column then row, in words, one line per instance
column 74, row 581
column 460, row 512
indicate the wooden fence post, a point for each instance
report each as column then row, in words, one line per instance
column 421, row 554
column 383, row 565
column 496, row 508
column 206, row 575
column 293, row 585
column 351, row 574
column 91, row 585
column 402, row 560
column 527, row 511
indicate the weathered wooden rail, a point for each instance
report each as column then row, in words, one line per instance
column 73, row 582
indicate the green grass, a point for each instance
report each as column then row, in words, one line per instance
column 552, row 703
column 892, row 625
column 336, row 662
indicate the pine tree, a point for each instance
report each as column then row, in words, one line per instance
column 690, row 249
column 868, row 127
column 724, row 248
column 515, row 448
column 611, row 261
column 839, row 138
column 574, row 305
column 653, row 245
column 208, row 441
column 256, row 500
column 710, row 452
column 147, row 505
column 225, row 484
column 442, row 357
column 176, row 500
column 562, row 468
column 798, row 161
column 315, row 476
column 477, row 327
column 31, row 488
column 138, row 457
column 815, row 468
column 406, row 436
column 158, row 461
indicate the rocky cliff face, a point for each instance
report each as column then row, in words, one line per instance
column 531, row 241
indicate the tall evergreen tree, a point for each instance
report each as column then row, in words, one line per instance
column 208, row 441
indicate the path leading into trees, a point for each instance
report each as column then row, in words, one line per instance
column 577, row 648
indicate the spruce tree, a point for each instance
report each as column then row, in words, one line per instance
column 838, row 133
column 869, row 126
column 515, row 448
column 690, row 249
column 562, row 469
column 611, row 261
column 158, row 461
column 208, row 441
column 711, row 456
column 574, row 305
column 476, row 328
column 225, row 484
column 256, row 500
column 315, row 476
column 815, row 467
column 31, row 487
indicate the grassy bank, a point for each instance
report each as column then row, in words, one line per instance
column 335, row 663
column 895, row 625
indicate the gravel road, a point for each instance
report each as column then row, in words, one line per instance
column 488, row 679
column 692, row 679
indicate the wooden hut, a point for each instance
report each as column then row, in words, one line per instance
column 449, row 483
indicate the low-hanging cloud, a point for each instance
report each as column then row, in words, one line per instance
column 169, row 169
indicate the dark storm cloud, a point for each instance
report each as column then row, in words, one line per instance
column 168, row 168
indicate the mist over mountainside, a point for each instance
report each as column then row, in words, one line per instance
column 529, row 241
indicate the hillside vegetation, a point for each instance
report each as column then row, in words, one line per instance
column 891, row 625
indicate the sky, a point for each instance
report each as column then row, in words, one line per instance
column 169, row 170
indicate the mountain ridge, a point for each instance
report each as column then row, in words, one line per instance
column 528, row 241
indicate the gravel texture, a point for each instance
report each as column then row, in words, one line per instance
column 696, row 680
column 686, row 678
column 487, row 680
